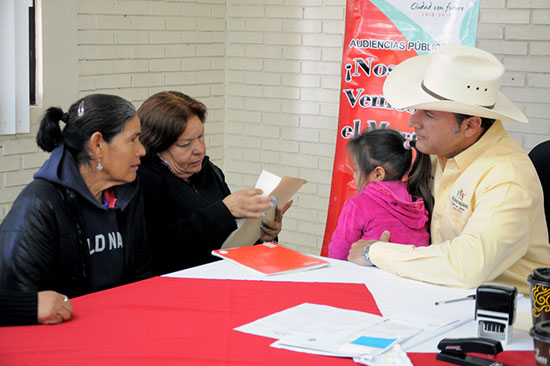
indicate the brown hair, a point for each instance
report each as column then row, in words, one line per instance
column 164, row 117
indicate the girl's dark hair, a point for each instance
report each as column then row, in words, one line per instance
column 384, row 147
column 102, row 113
column 164, row 117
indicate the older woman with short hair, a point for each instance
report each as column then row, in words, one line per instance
column 189, row 209
column 78, row 226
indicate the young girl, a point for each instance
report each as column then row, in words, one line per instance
column 386, row 200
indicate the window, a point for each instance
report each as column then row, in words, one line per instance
column 32, row 55
column 14, row 66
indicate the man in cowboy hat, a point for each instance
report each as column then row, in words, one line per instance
column 488, row 219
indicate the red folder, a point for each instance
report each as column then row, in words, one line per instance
column 270, row 258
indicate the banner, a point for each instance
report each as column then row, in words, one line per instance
column 379, row 35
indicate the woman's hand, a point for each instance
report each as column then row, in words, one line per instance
column 53, row 307
column 270, row 229
column 248, row 203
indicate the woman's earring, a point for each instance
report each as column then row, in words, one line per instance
column 99, row 166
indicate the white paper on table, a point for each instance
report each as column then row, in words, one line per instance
column 414, row 302
column 429, row 334
column 371, row 340
column 394, row 357
column 436, row 316
column 408, row 299
column 312, row 328
column 378, row 338
column 280, row 345
column 308, row 318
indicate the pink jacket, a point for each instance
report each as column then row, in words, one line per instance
column 380, row 206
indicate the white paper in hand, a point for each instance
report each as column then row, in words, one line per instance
column 249, row 230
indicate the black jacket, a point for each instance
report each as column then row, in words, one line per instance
column 43, row 242
column 185, row 221
column 18, row 308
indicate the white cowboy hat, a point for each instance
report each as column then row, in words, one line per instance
column 456, row 79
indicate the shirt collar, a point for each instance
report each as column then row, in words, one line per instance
column 491, row 137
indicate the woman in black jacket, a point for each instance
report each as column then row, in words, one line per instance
column 189, row 209
column 78, row 226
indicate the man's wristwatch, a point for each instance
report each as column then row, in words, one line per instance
column 365, row 255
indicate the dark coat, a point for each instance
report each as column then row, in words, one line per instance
column 185, row 220
column 42, row 242
column 18, row 308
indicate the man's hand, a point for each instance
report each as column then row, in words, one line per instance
column 356, row 252
column 53, row 307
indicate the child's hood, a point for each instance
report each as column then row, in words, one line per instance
column 394, row 198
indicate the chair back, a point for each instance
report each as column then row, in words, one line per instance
column 540, row 156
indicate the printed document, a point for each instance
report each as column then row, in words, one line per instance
column 328, row 330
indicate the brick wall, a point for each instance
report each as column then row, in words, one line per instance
column 268, row 72
column 137, row 48
column 518, row 33
column 283, row 68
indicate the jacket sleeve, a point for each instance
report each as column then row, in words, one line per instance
column 348, row 231
column 18, row 308
column 29, row 239
column 495, row 237
column 216, row 215
column 143, row 260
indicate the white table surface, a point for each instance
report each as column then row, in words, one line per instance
column 396, row 297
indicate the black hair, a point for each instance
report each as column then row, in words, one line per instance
column 486, row 123
column 384, row 147
column 102, row 113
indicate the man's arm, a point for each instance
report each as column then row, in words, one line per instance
column 495, row 237
column 356, row 253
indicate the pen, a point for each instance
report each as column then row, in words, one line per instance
column 473, row 296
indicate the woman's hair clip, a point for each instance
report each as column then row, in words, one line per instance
column 407, row 144
column 80, row 110
column 65, row 117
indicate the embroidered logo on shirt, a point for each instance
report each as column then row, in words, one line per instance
column 457, row 201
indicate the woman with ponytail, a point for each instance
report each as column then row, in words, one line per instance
column 392, row 195
column 78, row 227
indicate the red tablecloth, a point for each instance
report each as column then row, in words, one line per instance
column 174, row 321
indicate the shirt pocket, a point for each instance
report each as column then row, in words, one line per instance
column 456, row 216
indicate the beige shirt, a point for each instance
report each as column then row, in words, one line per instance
column 488, row 221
